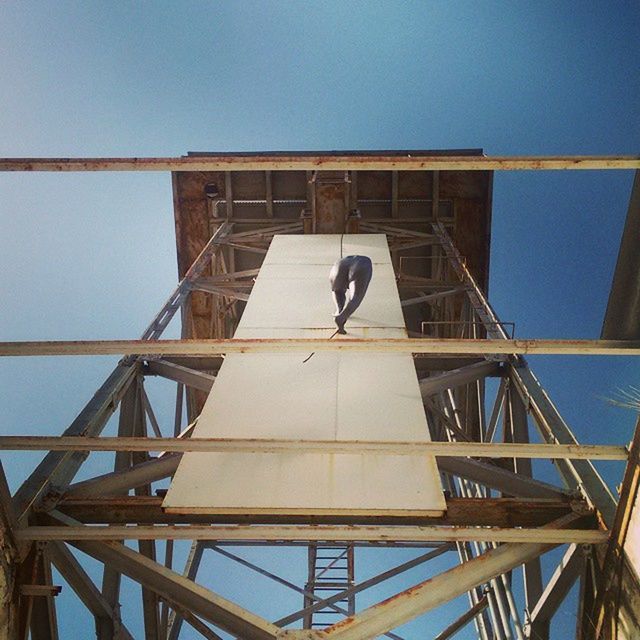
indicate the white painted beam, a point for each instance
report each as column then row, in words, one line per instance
column 312, row 533
column 478, row 449
column 300, row 345
column 558, row 586
column 325, row 162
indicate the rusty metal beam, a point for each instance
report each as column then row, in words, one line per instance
column 433, row 592
column 58, row 469
column 211, row 347
column 10, row 553
column 412, row 161
column 78, row 579
column 554, row 429
column 618, row 587
column 191, row 566
column 311, row 533
column 366, row 584
column 39, row 593
column 480, row 449
column 178, row 589
column 225, row 292
column 547, row 418
column 494, row 512
column 197, row 624
column 8, row 520
column 130, row 409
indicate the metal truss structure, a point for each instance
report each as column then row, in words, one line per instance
column 488, row 416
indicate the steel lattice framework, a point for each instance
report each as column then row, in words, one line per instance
column 483, row 403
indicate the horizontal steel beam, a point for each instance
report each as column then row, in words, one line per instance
column 493, row 512
column 439, row 346
column 478, row 449
column 312, row 533
column 325, row 162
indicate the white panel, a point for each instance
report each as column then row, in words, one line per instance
column 378, row 398
column 350, row 396
column 272, row 396
column 325, row 249
column 243, row 333
column 304, row 483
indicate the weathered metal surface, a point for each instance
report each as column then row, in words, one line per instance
column 366, row 584
column 77, row 578
column 441, row 346
column 279, row 445
column 411, row 161
column 313, row 533
column 457, row 377
column 497, row 512
column 554, row 429
column 176, row 588
column 429, row 594
column 495, row 477
column 614, row 613
column 58, row 468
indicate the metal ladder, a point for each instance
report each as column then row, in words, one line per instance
column 331, row 570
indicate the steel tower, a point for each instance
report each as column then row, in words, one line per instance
column 488, row 418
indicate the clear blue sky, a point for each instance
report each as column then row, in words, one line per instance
column 92, row 256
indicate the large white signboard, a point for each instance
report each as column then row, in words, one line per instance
column 351, row 396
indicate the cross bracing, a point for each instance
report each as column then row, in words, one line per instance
column 499, row 517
